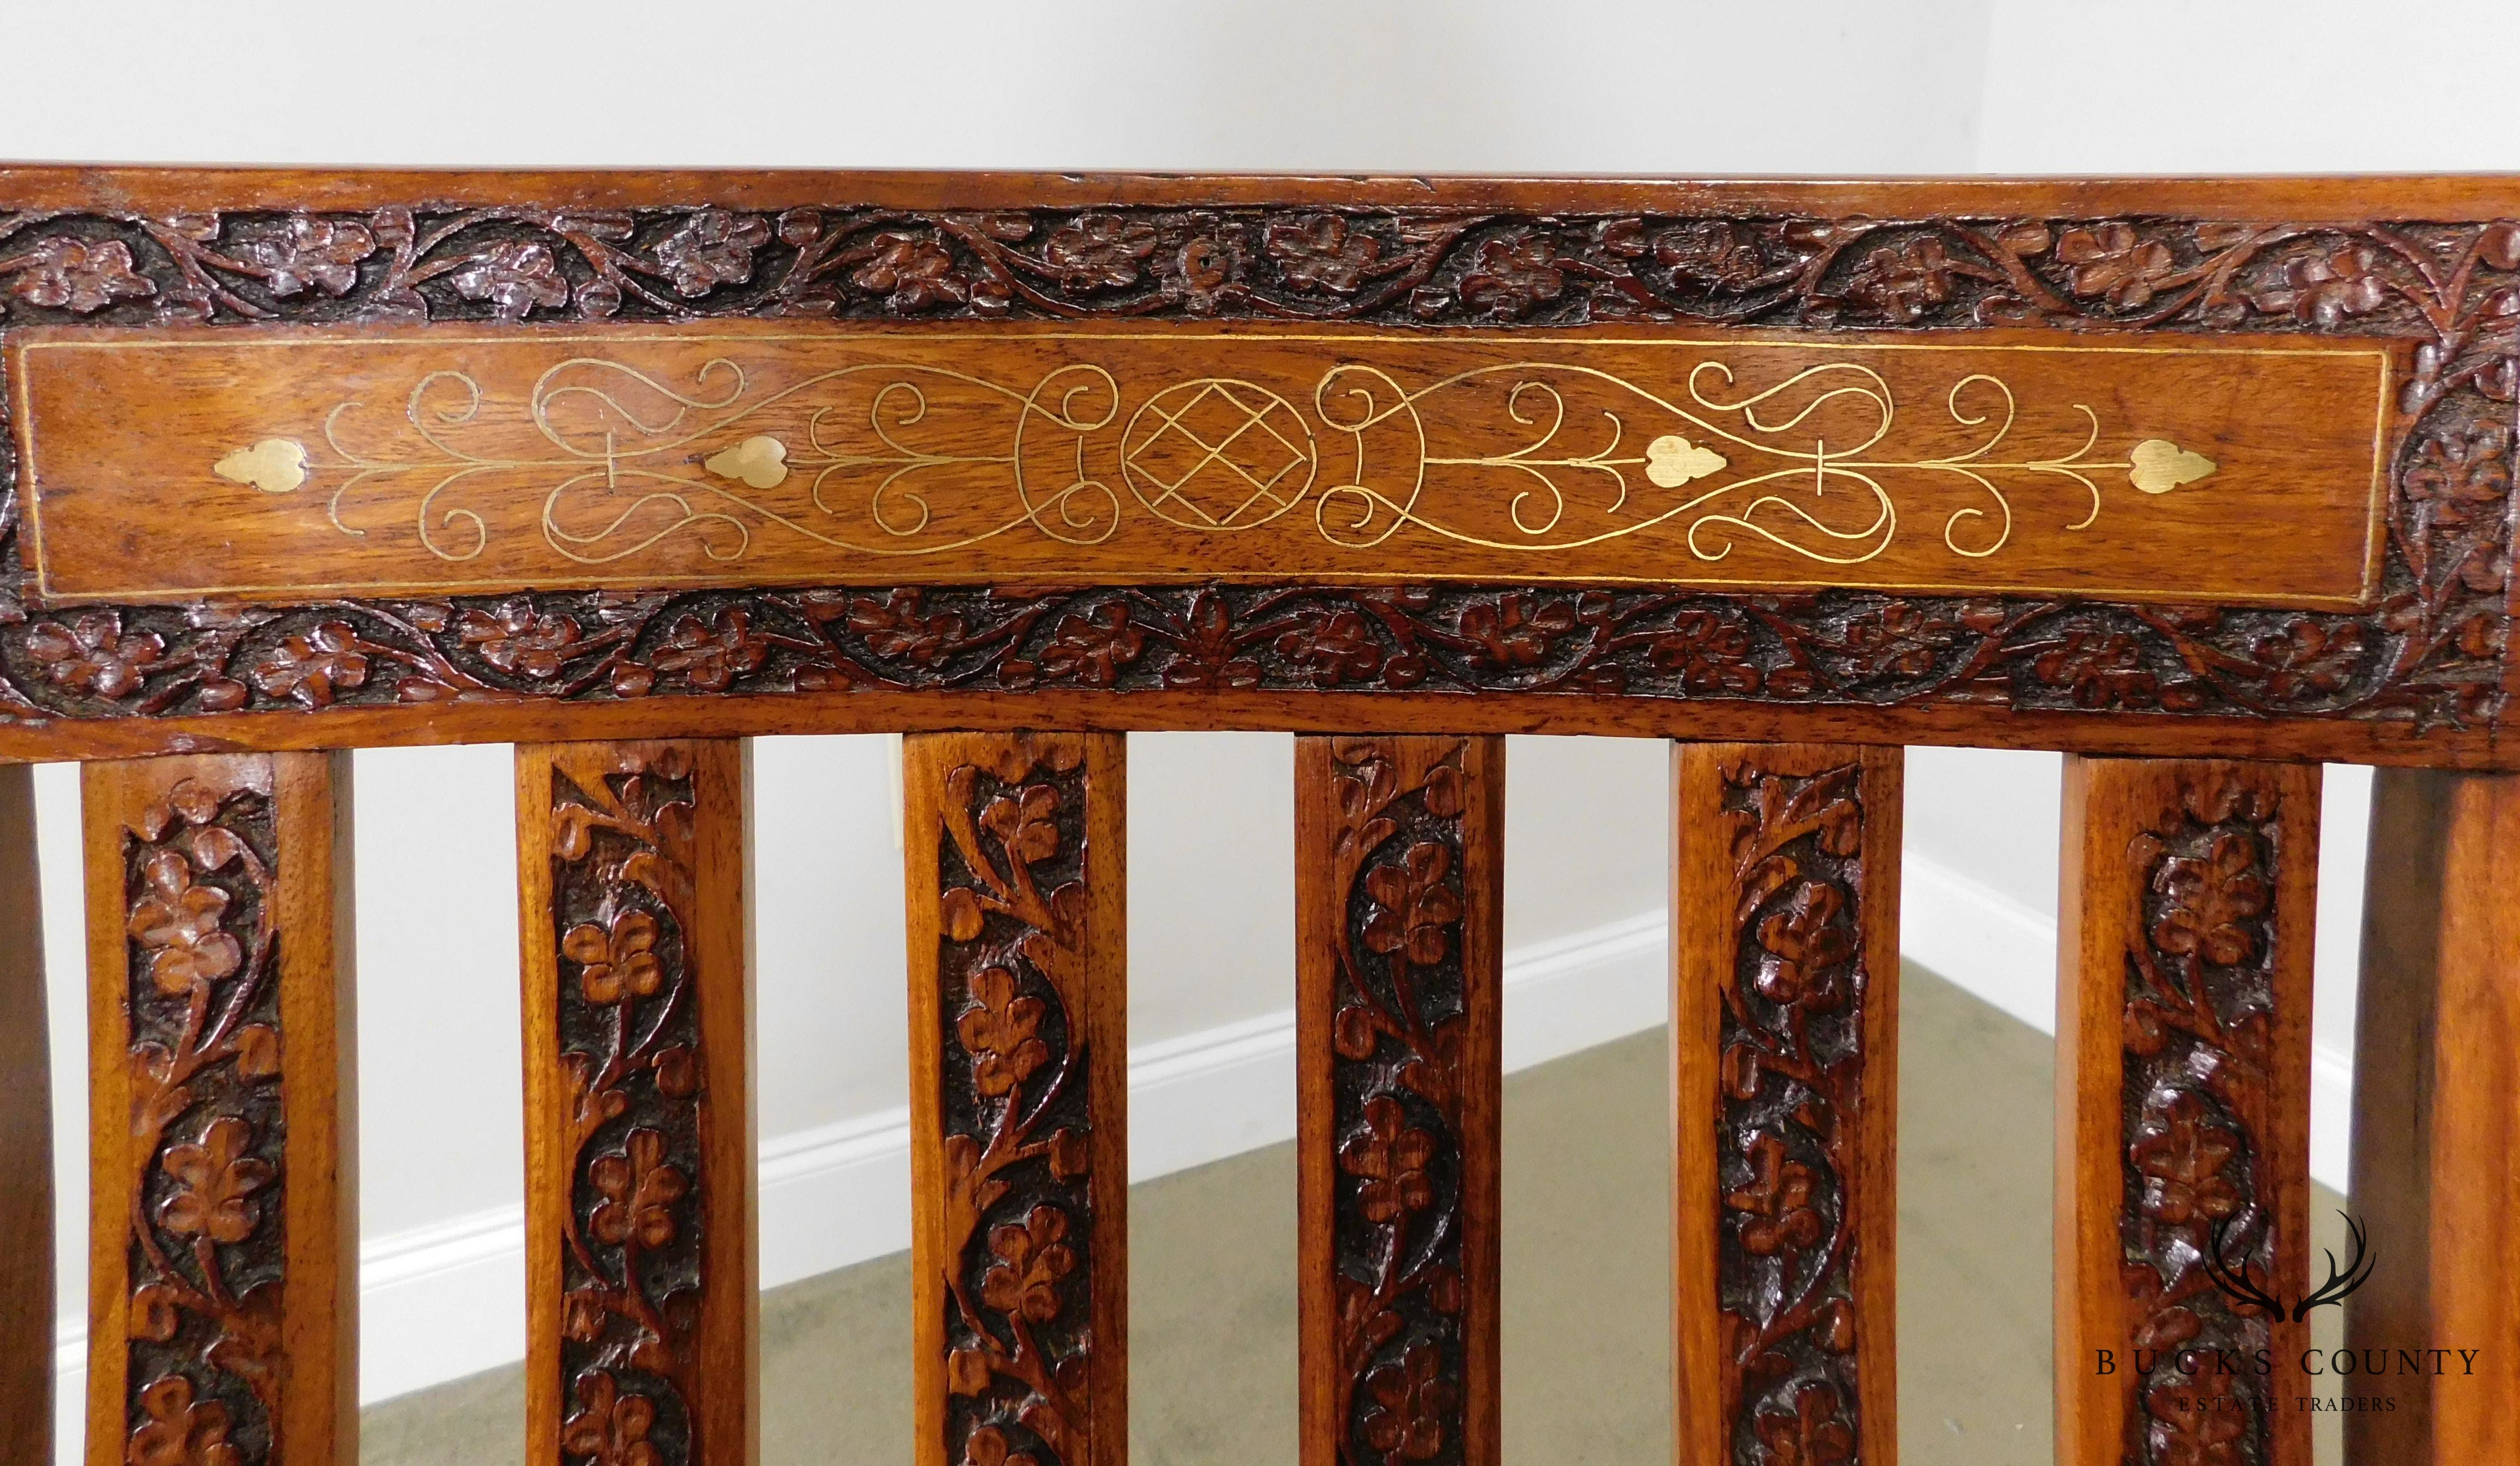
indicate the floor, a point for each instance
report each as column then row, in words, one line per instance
column 1587, row 1346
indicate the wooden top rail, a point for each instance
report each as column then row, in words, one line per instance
column 2179, row 468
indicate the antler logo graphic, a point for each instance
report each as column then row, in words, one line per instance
column 2240, row 1283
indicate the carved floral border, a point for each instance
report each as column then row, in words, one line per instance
column 1790, row 1115
column 207, row 1248
column 1400, row 1072
column 631, row 1075
column 2430, row 651
column 1017, row 1223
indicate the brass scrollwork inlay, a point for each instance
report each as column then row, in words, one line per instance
column 624, row 460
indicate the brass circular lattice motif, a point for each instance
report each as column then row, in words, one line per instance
column 1218, row 454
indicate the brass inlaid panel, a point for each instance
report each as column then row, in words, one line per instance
column 308, row 463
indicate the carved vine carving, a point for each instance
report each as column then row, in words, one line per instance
column 1400, row 1034
column 1017, row 1213
column 632, row 1070
column 207, row 1241
column 2199, row 1035
column 2430, row 650
column 1791, row 1041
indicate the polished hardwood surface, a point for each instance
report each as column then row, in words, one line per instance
column 27, row 1291
column 2437, row 1117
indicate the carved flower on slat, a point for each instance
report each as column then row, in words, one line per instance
column 2165, row 1325
column 2099, row 669
column 1389, row 1156
column 178, row 1431
column 2310, row 659
column 1515, row 630
column 178, row 925
column 2181, row 1152
column 1411, row 1404
column 1320, row 253
column 1805, row 1429
column 1714, row 253
column 303, row 253
column 515, row 638
column 213, row 1178
column 639, row 1190
column 711, row 657
column 1777, row 1204
column 1210, row 654
column 610, row 1426
column 1803, row 943
column 84, row 276
column 1000, row 1031
column 2113, row 261
column 988, row 1447
column 1508, row 279
column 1032, row 1261
column 1099, row 251
column 1906, row 280
column 515, row 276
column 2190, row 1428
column 2462, row 477
column 712, row 248
column 1415, row 907
column 95, row 654
column 2210, row 900
column 2323, row 289
column 311, row 668
column 617, row 960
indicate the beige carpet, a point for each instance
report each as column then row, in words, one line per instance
column 1586, row 1343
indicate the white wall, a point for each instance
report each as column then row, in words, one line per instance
column 1847, row 86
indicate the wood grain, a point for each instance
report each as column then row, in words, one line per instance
column 223, row 1263
column 27, row 1291
column 634, row 875
column 1017, row 887
column 2436, row 1121
column 1784, row 1033
column 2245, row 470
column 1399, row 903
column 2182, row 1103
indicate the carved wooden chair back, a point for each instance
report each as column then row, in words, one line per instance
column 2202, row 483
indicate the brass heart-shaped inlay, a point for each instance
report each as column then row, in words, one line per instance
column 274, row 466
column 1672, row 460
column 2159, row 466
column 760, row 462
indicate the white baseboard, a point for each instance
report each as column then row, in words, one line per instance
column 2002, row 951
column 439, row 1303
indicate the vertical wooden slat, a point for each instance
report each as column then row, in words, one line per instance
column 2182, row 1107
column 27, row 1298
column 224, row 1243
column 2437, row 1124
column 1784, row 1031
column 1399, row 860
column 1017, row 884
column 643, row 1287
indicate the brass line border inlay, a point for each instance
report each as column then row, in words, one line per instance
column 281, row 466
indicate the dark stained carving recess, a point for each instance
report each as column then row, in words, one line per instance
column 1016, row 1219
column 2429, row 651
column 632, row 1073
column 207, row 1242
column 1791, row 1039
column 1400, row 1032
column 2199, row 1044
